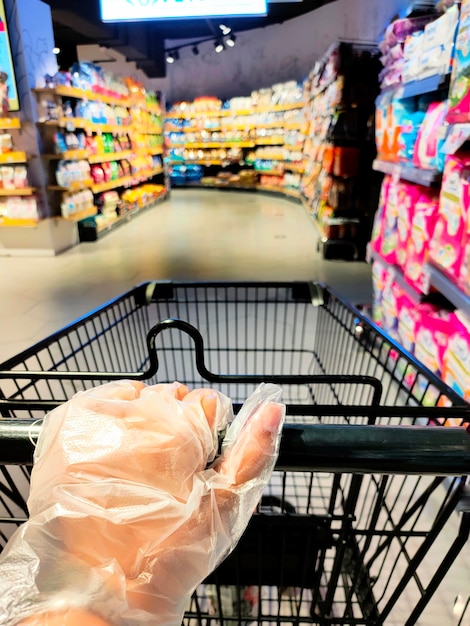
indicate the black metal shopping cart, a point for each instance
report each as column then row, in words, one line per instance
column 368, row 476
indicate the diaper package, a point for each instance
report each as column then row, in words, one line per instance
column 434, row 328
column 407, row 197
column 377, row 228
column 409, row 316
column 459, row 92
column 381, row 278
column 389, row 239
column 448, row 238
column 456, row 360
column 421, row 231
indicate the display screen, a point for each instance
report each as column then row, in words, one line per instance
column 135, row 10
column 8, row 86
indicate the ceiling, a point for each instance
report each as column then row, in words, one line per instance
column 77, row 22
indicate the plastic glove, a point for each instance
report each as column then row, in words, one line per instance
column 127, row 518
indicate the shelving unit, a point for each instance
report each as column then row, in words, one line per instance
column 338, row 182
column 448, row 289
column 237, row 136
column 429, row 84
column 82, row 94
column 140, row 124
column 74, row 186
column 81, row 215
column 112, row 156
column 25, row 191
column 93, row 228
column 414, row 295
column 10, row 123
column 427, row 178
column 13, row 157
column 16, row 158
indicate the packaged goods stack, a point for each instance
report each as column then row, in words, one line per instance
column 420, row 244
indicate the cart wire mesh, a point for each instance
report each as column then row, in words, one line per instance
column 325, row 547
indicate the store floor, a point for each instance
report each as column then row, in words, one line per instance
column 197, row 235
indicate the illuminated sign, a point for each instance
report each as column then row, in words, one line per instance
column 136, row 10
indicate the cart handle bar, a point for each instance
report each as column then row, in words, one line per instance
column 285, row 379
column 435, row 414
column 320, row 447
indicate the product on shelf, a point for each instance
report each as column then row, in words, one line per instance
column 456, row 359
column 430, row 52
column 428, row 149
column 421, row 231
column 398, row 124
column 432, row 337
column 407, row 197
column 6, row 143
column 395, row 63
column 18, row 209
column 459, row 92
column 409, row 318
column 69, row 172
column 446, row 249
column 76, row 203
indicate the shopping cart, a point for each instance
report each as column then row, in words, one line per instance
column 351, row 524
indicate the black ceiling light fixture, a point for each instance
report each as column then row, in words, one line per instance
column 219, row 46
column 195, row 51
column 172, row 56
column 230, row 41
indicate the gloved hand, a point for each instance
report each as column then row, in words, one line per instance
column 130, row 509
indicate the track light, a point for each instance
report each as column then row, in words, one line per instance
column 226, row 30
column 195, row 51
column 219, row 46
column 171, row 57
column 230, row 41
column 56, row 50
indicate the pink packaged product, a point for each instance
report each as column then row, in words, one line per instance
column 391, row 295
column 407, row 197
column 428, row 147
column 432, row 336
column 377, row 229
column 389, row 239
column 464, row 270
column 456, row 360
column 409, row 317
column 381, row 278
column 421, row 231
column 448, row 238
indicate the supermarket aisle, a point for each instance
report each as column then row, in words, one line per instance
column 196, row 235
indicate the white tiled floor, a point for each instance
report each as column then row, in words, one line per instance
column 197, row 235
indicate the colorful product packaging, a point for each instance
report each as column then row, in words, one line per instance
column 421, row 231
column 431, row 137
column 432, row 336
column 448, row 238
column 459, row 92
column 381, row 277
column 407, row 197
column 377, row 229
column 409, row 317
column 389, row 240
column 456, row 360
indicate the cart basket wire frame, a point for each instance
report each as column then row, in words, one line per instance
column 367, row 478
